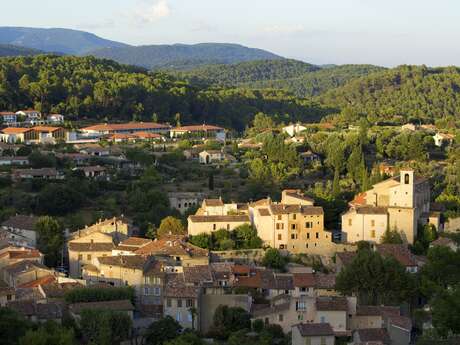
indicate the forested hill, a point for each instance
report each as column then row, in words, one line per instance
column 55, row 40
column 183, row 56
column 300, row 78
column 248, row 72
column 90, row 88
column 411, row 91
column 10, row 50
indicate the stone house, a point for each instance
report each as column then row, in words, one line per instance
column 407, row 200
column 20, row 230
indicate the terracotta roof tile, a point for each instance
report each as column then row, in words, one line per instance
column 21, row 222
column 332, row 304
column 91, row 247
column 315, row 329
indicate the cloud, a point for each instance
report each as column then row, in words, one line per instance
column 153, row 12
column 284, row 29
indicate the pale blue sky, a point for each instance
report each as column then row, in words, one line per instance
column 384, row 32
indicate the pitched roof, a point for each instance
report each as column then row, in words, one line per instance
column 43, row 311
column 398, row 251
column 41, row 281
column 346, row 257
column 58, row 290
column 304, row 280
column 315, row 329
column 21, row 222
column 297, row 195
column 213, row 202
column 176, row 287
column 46, row 128
column 325, row 281
column 16, row 130
column 118, row 305
column 171, row 247
column 24, row 266
column 219, row 219
column 374, row 334
column 264, row 212
column 372, row 310
column 258, row 278
column 278, row 209
column 126, row 126
column 135, row 241
column 401, row 322
column 371, row 210
column 197, row 128
column 91, row 247
column 126, row 261
column 332, row 303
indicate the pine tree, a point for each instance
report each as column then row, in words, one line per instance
column 336, row 184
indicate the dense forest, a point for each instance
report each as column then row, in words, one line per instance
column 300, row 78
column 89, row 88
column 248, row 72
column 410, row 92
column 183, row 56
column 11, row 50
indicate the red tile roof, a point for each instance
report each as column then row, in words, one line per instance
column 315, row 329
column 398, row 251
column 16, row 130
column 46, row 128
column 125, row 126
column 197, row 128
column 42, row 281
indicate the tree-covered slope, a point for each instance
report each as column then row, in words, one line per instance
column 183, row 56
column 55, row 40
column 248, row 72
column 409, row 91
column 10, row 50
column 300, row 78
column 317, row 82
column 90, row 88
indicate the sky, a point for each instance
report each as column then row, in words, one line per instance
column 380, row 32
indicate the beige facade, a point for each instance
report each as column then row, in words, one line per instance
column 365, row 224
column 86, row 249
column 209, row 224
column 407, row 200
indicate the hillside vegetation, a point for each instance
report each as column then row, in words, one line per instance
column 300, row 78
column 90, row 88
column 10, row 50
column 183, row 56
column 248, row 72
column 55, row 40
column 416, row 92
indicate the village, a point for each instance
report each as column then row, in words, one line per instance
column 209, row 239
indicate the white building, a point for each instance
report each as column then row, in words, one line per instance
column 55, row 119
column 8, row 118
column 441, row 139
column 292, row 130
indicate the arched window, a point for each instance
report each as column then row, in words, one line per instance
column 406, row 179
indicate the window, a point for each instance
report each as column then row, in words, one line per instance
column 178, row 316
column 350, row 222
column 300, row 317
column 323, row 319
column 228, row 227
column 307, row 341
column 168, row 303
column 214, row 226
column 189, row 317
column 372, row 222
column 294, row 216
column 80, row 257
column 372, row 233
column 308, row 236
column 179, row 303
column 293, row 226
column 279, row 226
column 309, row 225
column 323, row 340
column 9, row 297
column 146, row 290
column 406, row 179
column 280, row 237
column 279, row 217
column 280, row 317
column 88, row 257
column 157, row 291
column 189, row 303
column 317, row 235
